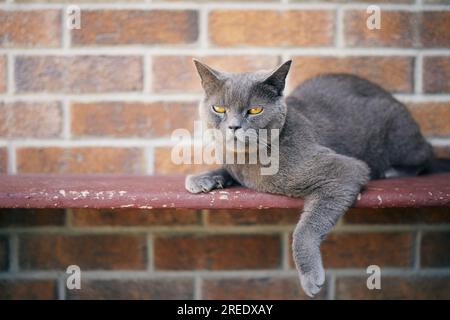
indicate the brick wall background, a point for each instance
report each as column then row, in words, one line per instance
column 105, row 98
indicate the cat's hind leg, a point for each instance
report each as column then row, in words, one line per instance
column 403, row 171
column 408, row 151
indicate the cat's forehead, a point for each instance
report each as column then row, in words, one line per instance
column 240, row 87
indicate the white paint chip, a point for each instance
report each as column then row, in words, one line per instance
column 380, row 201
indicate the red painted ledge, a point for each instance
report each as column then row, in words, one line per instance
column 147, row 192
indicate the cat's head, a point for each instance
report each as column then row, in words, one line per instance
column 236, row 102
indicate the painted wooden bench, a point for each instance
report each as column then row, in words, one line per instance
column 147, row 192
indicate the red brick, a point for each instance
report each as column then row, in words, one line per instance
column 360, row 250
column 255, row 288
column 435, row 250
column 31, row 217
column 165, row 165
column 371, row 216
column 420, row 288
column 30, row 28
column 253, row 217
column 27, row 289
column 78, row 74
column 125, row 27
column 3, row 73
column 441, row 151
column 30, row 120
column 353, row 250
column 134, row 217
column 104, row 252
column 178, row 74
column 308, row 28
column 80, row 160
column 154, row 289
column 217, row 252
column 4, row 252
column 3, row 160
column 435, row 31
column 397, row 29
column 133, row 119
column 393, row 73
column 433, row 117
column 436, row 72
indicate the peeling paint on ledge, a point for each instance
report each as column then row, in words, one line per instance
column 151, row 192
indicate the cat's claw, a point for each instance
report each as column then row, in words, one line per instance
column 313, row 281
column 203, row 183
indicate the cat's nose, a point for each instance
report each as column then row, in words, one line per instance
column 234, row 127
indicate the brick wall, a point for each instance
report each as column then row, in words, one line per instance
column 105, row 98
column 162, row 254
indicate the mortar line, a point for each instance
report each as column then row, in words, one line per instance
column 149, row 159
column 213, row 230
column 13, row 253
column 148, row 74
column 150, row 253
column 174, row 97
column 12, row 165
column 285, row 250
column 125, row 143
column 331, row 293
column 65, row 31
column 418, row 74
column 417, row 250
column 61, row 287
column 68, row 221
column 227, row 274
column 66, row 116
column 198, row 281
column 203, row 36
column 339, row 28
column 204, row 218
column 138, row 50
column 119, row 143
column 281, row 6
column 113, row 96
column 10, row 73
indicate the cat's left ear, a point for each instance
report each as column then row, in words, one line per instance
column 277, row 78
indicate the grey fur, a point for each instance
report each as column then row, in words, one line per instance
column 337, row 131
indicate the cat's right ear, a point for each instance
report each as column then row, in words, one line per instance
column 211, row 79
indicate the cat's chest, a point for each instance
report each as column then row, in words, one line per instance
column 250, row 176
column 247, row 175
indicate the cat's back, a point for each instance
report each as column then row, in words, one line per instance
column 339, row 103
column 328, row 88
column 349, row 114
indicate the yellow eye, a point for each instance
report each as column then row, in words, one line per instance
column 219, row 109
column 255, row 110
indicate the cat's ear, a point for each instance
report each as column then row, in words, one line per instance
column 211, row 79
column 277, row 78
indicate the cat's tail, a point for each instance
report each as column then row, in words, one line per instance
column 438, row 165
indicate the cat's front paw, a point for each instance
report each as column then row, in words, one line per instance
column 203, row 183
column 313, row 280
column 308, row 260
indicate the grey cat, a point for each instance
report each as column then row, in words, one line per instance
column 337, row 131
